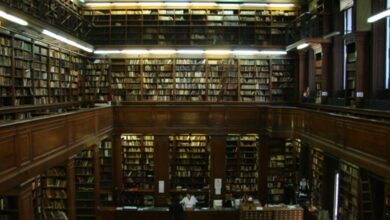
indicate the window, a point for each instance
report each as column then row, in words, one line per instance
column 387, row 73
column 347, row 30
column 348, row 21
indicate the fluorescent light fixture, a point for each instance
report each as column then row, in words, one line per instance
column 245, row 52
column 218, row 51
column 13, row 18
column 229, row 5
column 124, row 4
column 163, row 51
column 281, row 5
column 273, row 52
column 379, row 16
column 301, row 46
column 332, row 34
column 67, row 41
column 177, row 4
column 275, row 5
column 336, row 195
column 203, row 4
column 150, row 3
column 107, row 51
column 255, row 4
column 134, row 51
column 190, row 51
column 98, row 4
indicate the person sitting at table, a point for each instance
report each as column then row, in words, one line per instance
column 189, row 201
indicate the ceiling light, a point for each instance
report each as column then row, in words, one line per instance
column 150, row 3
column 229, row 5
column 67, row 41
column 98, row 4
column 378, row 16
column 301, row 46
column 281, row 5
column 177, row 4
column 203, row 4
column 245, row 52
column 134, row 51
column 13, row 18
column 255, row 4
column 124, row 4
column 162, row 51
column 107, row 51
column 275, row 5
column 218, row 51
column 273, row 52
column 190, row 51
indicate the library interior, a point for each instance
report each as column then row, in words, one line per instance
column 195, row 110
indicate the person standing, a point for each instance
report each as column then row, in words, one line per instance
column 176, row 209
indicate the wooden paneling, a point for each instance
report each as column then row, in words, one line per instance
column 372, row 140
column 28, row 148
column 188, row 117
column 177, row 118
column 48, row 137
column 83, row 126
column 133, row 117
column 280, row 121
column 7, row 153
column 321, row 125
column 104, row 119
column 24, row 143
column 237, row 117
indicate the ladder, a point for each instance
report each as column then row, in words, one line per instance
column 366, row 199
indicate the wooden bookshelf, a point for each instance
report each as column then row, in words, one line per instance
column 276, row 177
column 6, row 80
column 254, row 80
column 158, row 79
column 242, row 164
column 317, row 173
column 97, row 80
column 106, row 172
column 53, row 196
column 40, row 74
column 292, row 160
column 349, row 190
column 318, row 73
column 21, row 65
column 387, row 201
column 73, row 78
column 85, row 185
column 282, row 79
column 126, row 79
column 55, row 72
column 190, row 26
column 283, row 163
column 190, row 80
column 138, row 169
column 350, row 79
column 34, row 75
column 222, row 80
column 8, row 207
column 190, row 166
